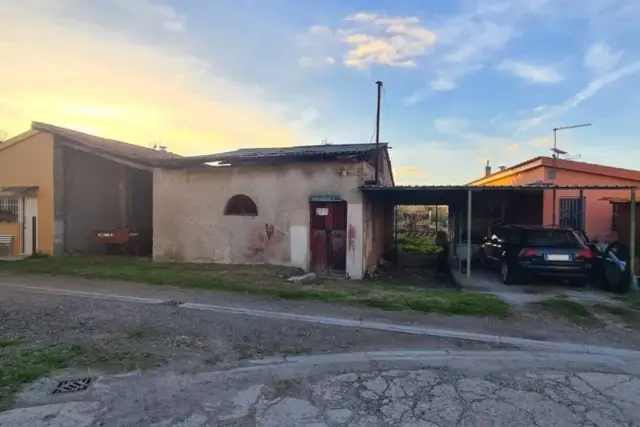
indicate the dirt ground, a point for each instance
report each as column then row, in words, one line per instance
column 526, row 321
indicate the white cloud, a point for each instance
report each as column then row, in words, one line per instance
column 601, row 58
column 309, row 61
column 443, row 83
column 168, row 17
column 81, row 68
column 371, row 39
column 450, row 125
column 321, row 30
column 542, row 114
column 532, row 73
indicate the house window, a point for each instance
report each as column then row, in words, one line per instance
column 615, row 216
column 8, row 209
column 241, row 205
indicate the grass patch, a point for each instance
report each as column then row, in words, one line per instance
column 418, row 244
column 566, row 308
column 633, row 300
column 629, row 316
column 616, row 310
column 269, row 281
column 21, row 364
column 8, row 342
column 136, row 334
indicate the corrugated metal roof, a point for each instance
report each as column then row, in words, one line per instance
column 275, row 153
column 303, row 150
column 458, row 194
column 496, row 187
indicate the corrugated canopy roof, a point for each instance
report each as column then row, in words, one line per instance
column 457, row 194
column 304, row 152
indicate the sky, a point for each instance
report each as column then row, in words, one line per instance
column 465, row 81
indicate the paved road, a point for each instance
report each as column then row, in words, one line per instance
column 451, row 383
column 505, row 388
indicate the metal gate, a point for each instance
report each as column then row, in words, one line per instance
column 572, row 212
column 328, row 237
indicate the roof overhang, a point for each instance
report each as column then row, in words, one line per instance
column 17, row 190
column 253, row 157
column 456, row 194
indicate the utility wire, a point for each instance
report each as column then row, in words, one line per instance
column 384, row 98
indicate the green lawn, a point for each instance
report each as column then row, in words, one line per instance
column 267, row 280
column 418, row 244
column 566, row 308
column 21, row 363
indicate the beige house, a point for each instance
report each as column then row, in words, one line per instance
column 297, row 206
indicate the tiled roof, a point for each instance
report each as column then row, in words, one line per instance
column 584, row 167
column 123, row 150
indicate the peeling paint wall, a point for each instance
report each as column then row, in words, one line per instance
column 377, row 220
column 190, row 225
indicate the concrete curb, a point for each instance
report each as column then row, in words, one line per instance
column 550, row 346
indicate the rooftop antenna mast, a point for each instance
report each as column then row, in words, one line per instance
column 377, row 158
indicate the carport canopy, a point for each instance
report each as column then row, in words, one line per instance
column 457, row 195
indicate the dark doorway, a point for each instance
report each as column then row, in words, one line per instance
column 328, row 238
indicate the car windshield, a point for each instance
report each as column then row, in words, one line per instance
column 550, row 238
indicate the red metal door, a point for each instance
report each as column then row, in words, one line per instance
column 319, row 238
column 338, row 237
column 328, row 237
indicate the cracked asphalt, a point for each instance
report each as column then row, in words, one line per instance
column 464, row 388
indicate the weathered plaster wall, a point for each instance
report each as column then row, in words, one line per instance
column 190, row 225
column 378, row 219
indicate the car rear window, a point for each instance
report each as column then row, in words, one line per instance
column 549, row 238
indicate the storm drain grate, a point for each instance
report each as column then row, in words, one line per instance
column 172, row 303
column 72, row 386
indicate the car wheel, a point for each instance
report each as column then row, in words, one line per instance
column 482, row 260
column 578, row 283
column 507, row 274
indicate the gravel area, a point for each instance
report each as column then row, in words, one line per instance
column 525, row 321
column 188, row 338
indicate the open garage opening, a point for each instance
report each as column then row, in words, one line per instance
column 474, row 212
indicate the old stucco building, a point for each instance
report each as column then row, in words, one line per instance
column 298, row 206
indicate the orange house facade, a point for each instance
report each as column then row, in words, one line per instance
column 599, row 215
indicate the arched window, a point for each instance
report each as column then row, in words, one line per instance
column 241, row 205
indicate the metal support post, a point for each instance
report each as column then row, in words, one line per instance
column 459, row 245
column 469, row 234
column 582, row 211
column 632, row 238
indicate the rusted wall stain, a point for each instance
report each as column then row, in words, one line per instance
column 267, row 244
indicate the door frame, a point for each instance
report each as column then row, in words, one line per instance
column 27, row 214
column 328, row 233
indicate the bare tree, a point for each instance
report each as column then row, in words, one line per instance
column 412, row 217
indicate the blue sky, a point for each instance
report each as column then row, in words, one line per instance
column 465, row 81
